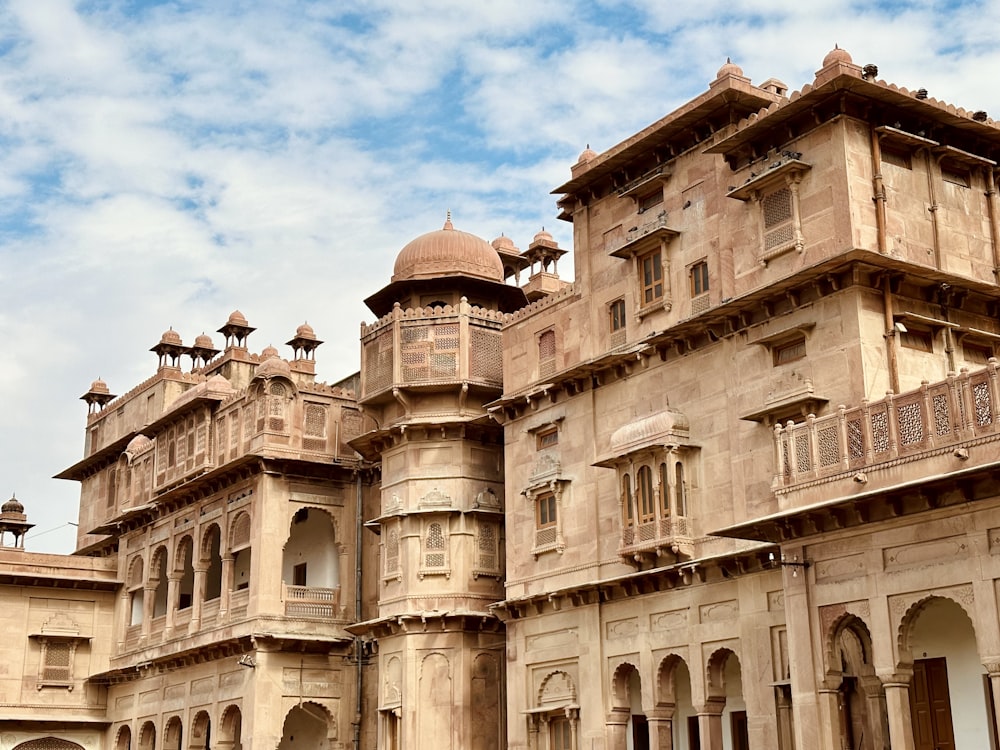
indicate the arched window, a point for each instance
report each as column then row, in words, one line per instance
column 664, row 492
column 276, row 407
column 681, row 489
column 628, row 511
column 644, row 490
column 211, row 555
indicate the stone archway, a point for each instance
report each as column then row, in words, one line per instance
column 722, row 720
column 938, row 647
column 859, row 719
column 627, row 721
column 309, row 725
column 48, row 743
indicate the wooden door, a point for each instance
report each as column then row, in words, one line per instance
column 930, row 705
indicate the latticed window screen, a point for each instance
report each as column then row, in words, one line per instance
column 488, row 552
column 546, row 353
column 434, row 547
column 487, row 354
column 56, row 664
column 49, row 743
column 276, row 407
column 315, row 420
column 392, row 552
column 777, row 211
column 241, row 530
column 221, row 434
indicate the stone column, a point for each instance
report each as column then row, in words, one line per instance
column 173, row 584
column 197, row 597
column 148, row 607
column 993, row 669
column 710, row 724
column 829, row 734
column 227, row 586
column 661, row 728
column 124, row 620
column 615, row 729
column 878, row 725
column 897, row 703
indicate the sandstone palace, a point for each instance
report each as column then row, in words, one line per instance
column 735, row 486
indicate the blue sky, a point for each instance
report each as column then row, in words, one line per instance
column 164, row 163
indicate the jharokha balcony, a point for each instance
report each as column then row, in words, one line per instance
column 431, row 347
column 914, row 448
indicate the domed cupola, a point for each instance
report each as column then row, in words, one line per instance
column 448, row 263
column 448, row 252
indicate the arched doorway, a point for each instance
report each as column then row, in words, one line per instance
column 862, row 722
column 49, row 743
column 725, row 714
column 948, row 710
column 626, row 692
column 231, row 729
column 675, row 702
column 311, row 565
column 308, row 725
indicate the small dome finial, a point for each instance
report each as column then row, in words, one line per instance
column 447, row 221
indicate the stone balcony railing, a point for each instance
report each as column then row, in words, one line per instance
column 431, row 347
column 669, row 534
column 312, row 601
column 944, row 417
column 635, row 239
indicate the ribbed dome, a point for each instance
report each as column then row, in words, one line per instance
column 268, row 352
column 237, row 318
column 138, row 444
column 12, row 506
column 837, row 55
column 305, row 331
column 663, row 426
column 448, row 252
column 729, row 69
column 272, row 367
column 503, row 242
column 171, row 337
column 99, row 386
column 204, row 341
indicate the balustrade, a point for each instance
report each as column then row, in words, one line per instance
column 960, row 408
column 311, row 601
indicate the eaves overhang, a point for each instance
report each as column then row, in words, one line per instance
column 802, row 102
column 884, row 504
column 737, row 95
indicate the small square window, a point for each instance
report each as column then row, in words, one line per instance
column 789, row 351
column 699, row 278
column 955, row 174
column 978, row 354
column 547, row 438
column 896, row 157
column 650, row 200
column 917, row 338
